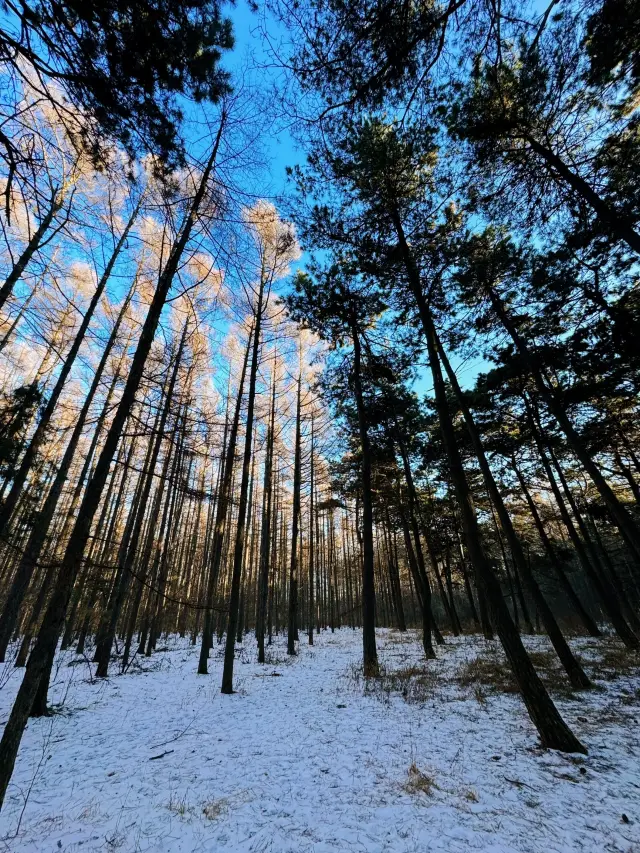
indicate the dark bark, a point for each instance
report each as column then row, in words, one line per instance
column 42, row 655
column 44, row 518
column 37, row 239
column 220, row 527
column 554, row 559
column 295, row 524
column 236, row 575
column 266, row 527
column 621, row 517
column 370, row 654
column 39, row 435
column 604, row 591
column 554, row 732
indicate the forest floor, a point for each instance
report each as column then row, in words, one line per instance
column 306, row 758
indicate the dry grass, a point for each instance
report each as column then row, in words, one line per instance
column 489, row 672
column 419, row 782
column 179, row 806
column 415, row 684
column 408, row 637
column 611, row 659
column 214, row 808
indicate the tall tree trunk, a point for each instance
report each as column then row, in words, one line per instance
column 40, row 530
column 37, row 239
column 312, row 531
column 236, row 575
column 554, row 732
column 627, row 526
column 39, row 435
column 604, row 591
column 42, row 655
column 265, row 532
column 295, row 523
column 370, row 654
column 221, row 518
column 554, row 559
column 618, row 224
column 577, row 676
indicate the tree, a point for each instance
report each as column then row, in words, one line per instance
column 41, row 658
column 120, row 65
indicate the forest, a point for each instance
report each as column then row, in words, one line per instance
column 319, row 426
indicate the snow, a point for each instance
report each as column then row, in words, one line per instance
column 304, row 759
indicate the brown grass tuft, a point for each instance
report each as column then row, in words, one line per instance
column 419, row 782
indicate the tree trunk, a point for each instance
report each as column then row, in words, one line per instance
column 370, row 654
column 554, row 732
column 42, row 655
column 236, row 576
column 625, row 523
column 293, row 568
column 220, row 527
column 41, row 430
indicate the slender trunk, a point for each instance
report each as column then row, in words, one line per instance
column 621, row 517
column 618, row 225
column 236, row 575
column 565, row 583
column 9, row 333
column 370, row 654
column 576, row 674
column 312, row 539
column 220, row 527
column 31, row 248
column 293, row 568
column 42, row 655
column 604, row 591
column 38, row 437
column 40, row 530
column 554, row 732
column 265, row 532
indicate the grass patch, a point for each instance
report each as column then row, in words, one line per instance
column 611, row 660
column 179, row 806
column 415, row 684
column 419, row 782
column 489, row 672
column 214, row 808
column 408, row 637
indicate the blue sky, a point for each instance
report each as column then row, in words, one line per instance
column 281, row 148
column 250, row 50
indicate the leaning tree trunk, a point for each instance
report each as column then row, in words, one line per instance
column 586, row 619
column 32, row 247
column 40, row 529
column 619, row 225
column 604, row 591
column 627, row 526
column 38, row 437
column 554, row 732
column 577, row 676
column 42, row 655
column 121, row 585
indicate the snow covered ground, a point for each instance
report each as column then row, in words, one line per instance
column 303, row 760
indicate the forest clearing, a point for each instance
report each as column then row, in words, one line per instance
column 303, row 758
